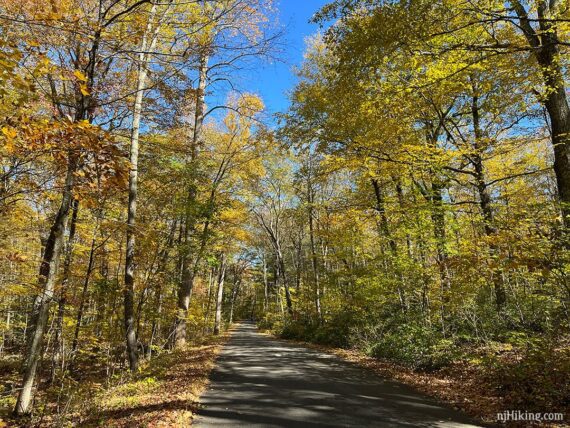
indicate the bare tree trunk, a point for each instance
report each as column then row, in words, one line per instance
column 281, row 261
column 235, row 291
column 209, row 301
column 184, row 295
column 434, row 195
column 559, row 112
column 385, row 231
column 253, row 304
column 545, row 47
column 220, row 295
column 380, row 208
column 162, row 260
column 58, row 350
column 402, row 205
column 314, row 260
column 155, row 326
column 265, row 285
column 6, row 330
column 47, row 278
column 50, row 255
column 485, row 199
column 129, row 291
column 200, row 105
column 187, row 282
column 81, row 309
column 232, row 301
column 438, row 219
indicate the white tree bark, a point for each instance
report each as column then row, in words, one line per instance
column 147, row 45
column 220, row 296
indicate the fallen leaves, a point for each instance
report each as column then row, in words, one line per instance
column 164, row 394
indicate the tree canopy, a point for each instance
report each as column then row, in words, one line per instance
column 413, row 202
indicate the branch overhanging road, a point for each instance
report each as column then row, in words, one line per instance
column 263, row 382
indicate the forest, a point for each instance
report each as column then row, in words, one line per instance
column 411, row 205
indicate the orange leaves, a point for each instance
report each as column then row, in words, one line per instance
column 101, row 163
column 16, row 257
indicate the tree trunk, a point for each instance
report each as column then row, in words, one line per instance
column 485, row 201
column 184, row 295
column 545, row 47
column 209, row 301
column 265, row 285
column 385, row 231
column 278, row 299
column 161, row 263
column 50, row 258
column 129, row 291
column 58, row 348
column 220, row 295
column 380, row 208
column 200, row 104
column 288, row 300
column 438, row 219
column 6, row 331
column 314, row 260
column 81, row 309
column 47, row 278
column 402, row 205
column 187, row 281
column 235, row 290
column 557, row 107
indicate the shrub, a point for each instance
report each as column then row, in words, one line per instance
column 334, row 331
column 270, row 321
column 416, row 346
column 536, row 380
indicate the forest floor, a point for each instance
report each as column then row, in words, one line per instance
column 164, row 393
column 466, row 384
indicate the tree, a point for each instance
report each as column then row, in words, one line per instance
column 235, row 32
column 488, row 29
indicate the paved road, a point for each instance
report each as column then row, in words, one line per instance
column 262, row 382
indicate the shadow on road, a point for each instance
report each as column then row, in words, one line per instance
column 264, row 382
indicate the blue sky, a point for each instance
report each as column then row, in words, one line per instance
column 272, row 81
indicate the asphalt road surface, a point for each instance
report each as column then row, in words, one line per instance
column 263, row 382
